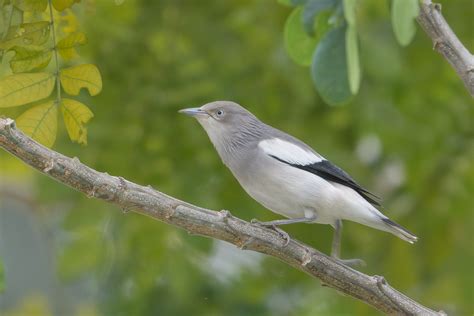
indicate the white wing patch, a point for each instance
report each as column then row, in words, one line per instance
column 289, row 152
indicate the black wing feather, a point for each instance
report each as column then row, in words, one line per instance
column 328, row 171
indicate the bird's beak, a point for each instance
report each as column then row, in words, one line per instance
column 194, row 112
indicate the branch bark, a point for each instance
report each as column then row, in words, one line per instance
column 446, row 42
column 373, row 290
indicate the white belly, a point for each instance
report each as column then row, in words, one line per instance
column 292, row 192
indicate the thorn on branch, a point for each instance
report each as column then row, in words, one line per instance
column 122, row 184
column 8, row 124
column 224, row 216
column 91, row 193
column 122, row 187
column 171, row 213
column 380, row 281
column 307, row 257
column 49, row 166
column 381, row 284
column 436, row 44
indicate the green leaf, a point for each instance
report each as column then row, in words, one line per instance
column 298, row 44
column 352, row 55
column 61, row 5
column 76, row 115
column 19, row 89
column 40, row 122
column 75, row 78
column 66, row 46
column 31, row 5
column 329, row 68
column 29, row 58
column 349, row 11
column 312, row 10
column 36, row 33
column 404, row 13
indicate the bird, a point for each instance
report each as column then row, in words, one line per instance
column 288, row 177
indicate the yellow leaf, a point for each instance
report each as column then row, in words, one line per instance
column 40, row 122
column 19, row 89
column 75, row 78
column 76, row 115
column 66, row 46
column 29, row 58
column 36, row 33
column 31, row 5
column 60, row 5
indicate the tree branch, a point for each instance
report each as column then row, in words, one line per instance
column 446, row 42
column 373, row 290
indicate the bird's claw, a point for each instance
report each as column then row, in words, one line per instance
column 280, row 231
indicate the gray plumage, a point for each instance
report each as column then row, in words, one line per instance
column 285, row 175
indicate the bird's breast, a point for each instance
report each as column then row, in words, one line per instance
column 283, row 189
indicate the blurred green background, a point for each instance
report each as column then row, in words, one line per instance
column 408, row 136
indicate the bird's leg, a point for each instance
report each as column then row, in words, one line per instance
column 336, row 241
column 336, row 247
column 279, row 222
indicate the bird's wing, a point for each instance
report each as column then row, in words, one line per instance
column 308, row 160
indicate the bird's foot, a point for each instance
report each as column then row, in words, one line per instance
column 271, row 225
column 353, row 263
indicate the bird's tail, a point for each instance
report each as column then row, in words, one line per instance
column 399, row 231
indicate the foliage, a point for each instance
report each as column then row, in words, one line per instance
column 327, row 31
column 33, row 42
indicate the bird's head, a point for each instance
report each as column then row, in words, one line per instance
column 228, row 125
column 224, row 121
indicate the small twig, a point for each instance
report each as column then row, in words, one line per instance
column 204, row 222
column 446, row 42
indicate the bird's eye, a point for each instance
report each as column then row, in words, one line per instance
column 220, row 113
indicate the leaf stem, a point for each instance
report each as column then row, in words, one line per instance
column 56, row 59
